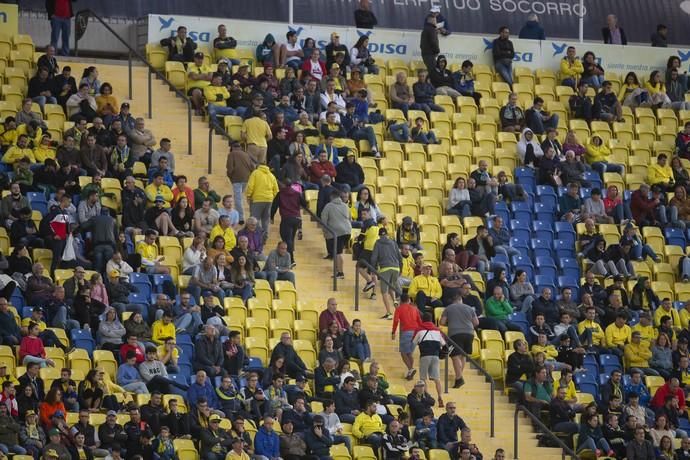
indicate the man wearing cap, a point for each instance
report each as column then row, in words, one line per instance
column 180, row 47
column 31, row 434
column 56, row 445
column 198, row 77
column 335, row 47
column 237, row 450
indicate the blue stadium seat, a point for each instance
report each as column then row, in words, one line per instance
column 521, row 229
column 585, row 192
column 562, row 190
column 180, row 378
column 521, row 211
column 82, row 338
column 675, row 237
column 604, row 378
column 545, row 212
column 543, row 281
column 139, row 298
column 565, row 232
column 609, row 361
column 501, row 258
column 541, row 247
column 142, row 282
column 158, row 282
column 569, row 267
column 255, row 365
column 17, row 300
column 594, row 179
column 563, row 249
column 546, row 266
column 546, row 195
column 521, row 320
column 525, row 176
column 521, row 245
column 581, row 377
column 542, row 230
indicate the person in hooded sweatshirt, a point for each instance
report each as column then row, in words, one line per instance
column 267, row 50
column 386, row 258
column 532, row 30
column 350, row 172
column 442, row 78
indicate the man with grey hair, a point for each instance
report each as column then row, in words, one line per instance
column 532, row 30
column 326, row 380
column 141, row 141
column 209, row 352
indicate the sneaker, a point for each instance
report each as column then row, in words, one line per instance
column 459, row 382
column 372, row 296
column 293, row 265
column 340, row 275
column 387, row 316
column 410, row 374
column 370, row 285
column 299, row 234
column 327, row 257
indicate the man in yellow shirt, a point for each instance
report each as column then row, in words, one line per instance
column 618, row 334
column 198, row 77
column 407, row 270
column 217, row 96
column 256, row 133
column 44, row 150
column 262, row 188
column 368, row 427
column 685, row 315
column 648, row 333
column 368, row 236
column 19, row 151
column 638, row 354
column 666, row 309
column 148, row 250
column 661, row 173
column 158, row 188
column 571, row 68
column 163, row 329
column 224, row 229
column 426, row 289
column 591, row 333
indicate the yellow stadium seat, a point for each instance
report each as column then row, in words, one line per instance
column 7, row 357
column 664, row 273
column 438, row 454
column 13, row 95
column 363, row 453
column 308, row 311
column 490, row 107
column 284, row 309
column 258, row 310
column 286, row 292
column 446, row 102
column 305, row 330
column 483, row 73
column 256, row 347
column 263, row 291
column 467, row 105
column 339, row 452
column 305, row 350
column 580, row 127
column 512, row 337
column 451, row 224
column 278, row 326
column 673, row 254
column 57, row 355
column 48, row 374
column 524, row 76
column 682, row 291
column 176, row 74
column 546, row 77
column 662, row 289
column 492, row 340
column 492, row 362
column 645, row 116
column 501, row 90
column 106, row 360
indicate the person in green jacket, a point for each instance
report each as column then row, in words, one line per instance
column 499, row 309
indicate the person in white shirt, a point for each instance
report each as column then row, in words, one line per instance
column 330, row 95
column 193, row 256
column 331, row 422
column 117, row 263
column 293, row 51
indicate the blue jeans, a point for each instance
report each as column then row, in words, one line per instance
column 400, row 132
column 595, row 81
column 591, row 445
column 429, row 107
column 539, row 125
column 641, row 251
column 569, row 82
column 245, row 292
column 43, row 100
column 101, row 254
column 367, row 133
column 404, row 106
column 238, row 189
column 16, row 449
column 189, row 322
column 462, row 209
column 340, row 439
column 504, row 67
column 215, row 110
column 60, row 320
column 60, row 26
column 622, row 212
column 602, row 166
column 375, row 440
column 362, row 351
column 426, row 138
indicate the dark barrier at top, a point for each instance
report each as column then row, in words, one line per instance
column 266, row 10
column 560, row 18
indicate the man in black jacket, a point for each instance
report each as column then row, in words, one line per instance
column 442, row 78
column 294, row 365
column 177, row 421
column 485, row 252
column 347, row 401
column 111, row 433
column 364, row 17
column 419, row 401
column 209, row 353
column 448, row 426
column 428, row 43
column 325, row 379
column 545, row 305
column 350, row 172
column 503, row 53
column 181, row 47
column 153, row 413
column 136, row 429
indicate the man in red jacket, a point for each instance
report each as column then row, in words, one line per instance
column 318, row 169
column 407, row 316
column 644, row 208
column 672, row 387
column 330, row 314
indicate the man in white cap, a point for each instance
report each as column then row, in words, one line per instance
column 441, row 21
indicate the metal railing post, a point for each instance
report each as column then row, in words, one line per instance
column 446, row 376
column 129, row 72
column 150, row 97
column 516, row 433
column 356, row 288
column 189, row 128
column 545, row 431
column 210, row 148
column 335, row 268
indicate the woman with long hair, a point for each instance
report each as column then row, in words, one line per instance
column 224, row 274
column 328, row 351
column 242, row 277
column 90, row 392
column 657, row 91
column 217, row 248
column 90, row 77
column 662, row 357
column 661, row 429
column 616, row 207
column 632, row 94
column 459, row 202
column 463, row 258
column 593, row 73
column 182, row 216
column 50, row 406
column 365, row 200
column 522, row 291
column 275, row 367
column 107, row 106
column 361, row 58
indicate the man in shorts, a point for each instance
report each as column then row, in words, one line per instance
column 461, row 320
column 410, row 321
column 367, row 237
column 430, row 340
column 386, row 259
column 336, row 216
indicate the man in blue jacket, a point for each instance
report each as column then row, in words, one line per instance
column 202, row 388
column 532, row 30
column 266, row 441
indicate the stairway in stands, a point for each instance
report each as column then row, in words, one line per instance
column 313, row 272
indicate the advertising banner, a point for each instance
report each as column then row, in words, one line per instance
column 8, row 19
column 393, row 44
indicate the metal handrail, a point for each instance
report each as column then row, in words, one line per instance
column 335, row 243
column 215, row 127
column 152, row 70
column 545, row 431
column 371, row 268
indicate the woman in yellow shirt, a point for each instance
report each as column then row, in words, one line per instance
column 657, row 90
column 106, row 104
column 631, row 93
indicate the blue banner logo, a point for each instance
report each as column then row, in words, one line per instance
column 489, row 44
column 683, row 56
column 165, row 23
column 558, row 49
column 297, row 30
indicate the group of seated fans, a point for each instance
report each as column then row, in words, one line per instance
column 89, row 218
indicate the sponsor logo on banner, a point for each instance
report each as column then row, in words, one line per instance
column 559, row 49
column 165, row 23
column 519, row 56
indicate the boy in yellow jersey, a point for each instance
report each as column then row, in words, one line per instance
column 591, row 333
column 148, row 250
column 368, row 237
column 618, row 334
